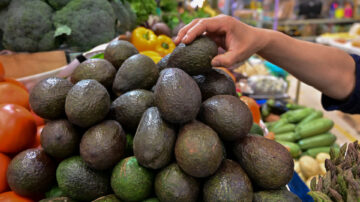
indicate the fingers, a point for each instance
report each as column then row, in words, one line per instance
column 225, row 60
column 184, row 30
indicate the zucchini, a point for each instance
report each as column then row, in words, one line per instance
column 284, row 129
column 279, row 123
column 315, row 127
column 291, row 106
column 299, row 114
column 289, row 137
column 315, row 151
column 311, row 117
column 295, row 150
column 269, row 125
column 322, row 140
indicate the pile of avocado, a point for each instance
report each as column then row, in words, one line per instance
column 125, row 129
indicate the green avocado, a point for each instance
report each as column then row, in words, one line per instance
column 177, row 96
column 98, row 69
column 263, row 165
column 47, row 98
column 154, row 140
column 130, row 181
column 137, row 72
column 151, row 200
column 275, row 195
column 229, row 183
column 58, row 199
column 103, row 145
column 228, row 116
column 118, row 51
column 59, row 138
column 198, row 150
column 55, row 191
column 107, row 198
column 80, row 182
column 173, row 185
column 87, row 103
column 31, row 172
column 194, row 58
column 256, row 129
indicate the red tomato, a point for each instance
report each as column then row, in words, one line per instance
column 13, row 94
column 13, row 197
column 4, row 163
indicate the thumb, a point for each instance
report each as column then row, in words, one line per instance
column 224, row 60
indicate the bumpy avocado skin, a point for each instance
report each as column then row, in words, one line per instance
column 198, row 150
column 87, row 103
column 103, row 145
column 98, row 69
column 107, row 198
column 154, row 140
column 177, row 96
column 31, row 172
column 194, row 58
column 163, row 63
column 275, row 195
column 137, row 72
column 128, row 108
column 118, row 51
column 173, row 185
column 47, row 98
column 228, row 116
column 268, row 164
column 229, row 183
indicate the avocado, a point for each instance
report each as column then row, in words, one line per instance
column 194, row 58
column 173, row 185
column 31, row 172
column 269, row 167
column 59, row 138
column 47, row 98
column 256, row 129
column 129, row 145
column 137, row 72
column 198, row 150
column 55, row 191
column 229, row 183
column 128, row 108
column 87, row 103
column 154, row 140
column 162, row 64
column 98, row 69
column 58, row 199
column 177, row 96
column 275, row 195
column 228, row 116
column 80, row 182
column 215, row 83
column 118, row 51
column 107, row 198
column 103, row 145
column 130, row 181
column 151, row 200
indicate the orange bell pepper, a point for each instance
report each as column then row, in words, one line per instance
column 165, row 45
column 143, row 39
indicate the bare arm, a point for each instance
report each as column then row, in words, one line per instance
column 328, row 69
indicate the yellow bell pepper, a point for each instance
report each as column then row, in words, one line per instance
column 164, row 45
column 143, row 39
column 156, row 57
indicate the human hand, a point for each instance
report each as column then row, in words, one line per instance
column 238, row 39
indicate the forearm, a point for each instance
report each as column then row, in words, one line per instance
column 328, row 69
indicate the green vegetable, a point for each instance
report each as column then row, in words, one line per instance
column 294, row 148
column 143, row 9
column 314, row 127
column 278, row 124
column 269, row 125
column 292, row 106
column 316, row 150
column 289, row 137
column 298, row 115
column 99, row 56
column 322, row 140
column 311, row 117
column 284, row 128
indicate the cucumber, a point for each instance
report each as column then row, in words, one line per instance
column 315, row 127
column 278, row 124
column 295, row 150
column 289, row 137
column 298, row 115
column 311, row 117
column 322, row 140
column 284, row 129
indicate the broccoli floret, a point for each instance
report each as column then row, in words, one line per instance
column 92, row 22
column 27, row 23
column 58, row 4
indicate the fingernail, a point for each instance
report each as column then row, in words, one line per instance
column 185, row 38
column 215, row 63
column 176, row 39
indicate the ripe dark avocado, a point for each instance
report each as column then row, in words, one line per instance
column 103, row 145
column 87, row 103
column 47, row 98
column 229, row 183
column 198, row 150
column 130, row 181
column 59, row 138
column 163, row 63
column 80, row 182
column 228, row 116
column 173, row 185
column 194, row 58
column 154, row 140
column 268, row 164
column 177, row 96
column 58, row 199
column 137, row 72
column 107, row 198
column 118, row 51
column 31, row 172
column 129, row 107
column 98, row 69
column 275, row 195
column 215, row 83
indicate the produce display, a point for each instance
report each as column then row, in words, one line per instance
column 126, row 129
